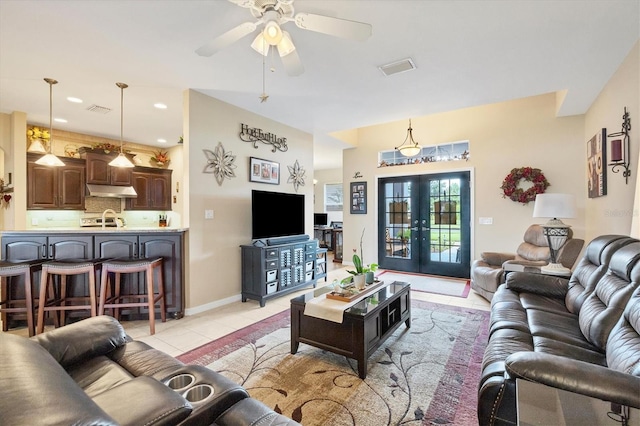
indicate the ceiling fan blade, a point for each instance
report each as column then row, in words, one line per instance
column 292, row 64
column 333, row 26
column 227, row 39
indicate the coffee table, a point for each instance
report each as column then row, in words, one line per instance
column 365, row 325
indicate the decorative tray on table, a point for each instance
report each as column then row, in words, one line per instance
column 351, row 293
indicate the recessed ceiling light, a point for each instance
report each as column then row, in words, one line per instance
column 160, row 106
column 162, row 140
column 74, row 100
column 60, row 120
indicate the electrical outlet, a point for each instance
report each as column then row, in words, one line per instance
column 208, row 214
column 34, row 221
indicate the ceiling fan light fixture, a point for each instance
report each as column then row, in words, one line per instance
column 286, row 45
column 260, row 45
column 272, row 33
column 412, row 148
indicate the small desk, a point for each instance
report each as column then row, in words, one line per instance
column 364, row 327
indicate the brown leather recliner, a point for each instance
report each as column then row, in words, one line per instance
column 488, row 272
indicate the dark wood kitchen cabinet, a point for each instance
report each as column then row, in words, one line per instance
column 22, row 246
column 55, row 188
column 169, row 246
column 153, row 187
column 99, row 172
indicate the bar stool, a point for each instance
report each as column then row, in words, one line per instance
column 11, row 304
column 149, row 299
column 58, row 300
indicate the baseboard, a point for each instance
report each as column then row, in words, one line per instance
column 213, row 305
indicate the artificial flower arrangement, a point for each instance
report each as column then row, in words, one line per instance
column 161, row 157
column 38, row 133
column 106, row 147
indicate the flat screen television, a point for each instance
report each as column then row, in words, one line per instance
column 320, row 219
column 276, row 214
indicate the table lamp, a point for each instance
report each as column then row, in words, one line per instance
column 555, row 206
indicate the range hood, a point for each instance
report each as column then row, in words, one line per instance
column 111, row 191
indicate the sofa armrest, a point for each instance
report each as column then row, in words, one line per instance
column 495, row 258
column 144, row 401
column 580, row 377
column 37, row 390
column 75, row 342
column 544, row 285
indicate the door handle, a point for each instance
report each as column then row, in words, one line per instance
column 424, row 228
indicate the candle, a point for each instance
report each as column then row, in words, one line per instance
column 616, row 150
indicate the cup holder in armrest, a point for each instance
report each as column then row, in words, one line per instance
column 199, row 393
column 181, row 381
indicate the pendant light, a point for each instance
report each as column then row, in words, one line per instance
column 121, row 160
column 412, row 149
column 50, row 159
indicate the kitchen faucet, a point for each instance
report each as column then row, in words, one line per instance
column 104, row 214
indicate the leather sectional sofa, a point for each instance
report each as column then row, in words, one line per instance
column 92, row 373
column 580, row 335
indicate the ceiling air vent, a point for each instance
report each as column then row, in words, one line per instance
column 98, row 109
column 397, row 67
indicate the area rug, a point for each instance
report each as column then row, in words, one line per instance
column 458, row 287
column 426, row 374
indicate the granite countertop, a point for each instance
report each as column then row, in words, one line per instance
column 95, row 230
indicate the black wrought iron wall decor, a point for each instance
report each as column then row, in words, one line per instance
column 620, row 150
column 220, row 162
column 255, row 135
column 296, row 175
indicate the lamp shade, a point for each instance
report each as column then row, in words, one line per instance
column 555, row 206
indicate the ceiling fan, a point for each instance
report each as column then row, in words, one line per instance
column 272, row 14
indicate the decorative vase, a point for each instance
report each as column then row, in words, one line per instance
column 368, row 277
column 358, row 281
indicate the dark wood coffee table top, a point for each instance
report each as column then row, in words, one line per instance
column 364, row 328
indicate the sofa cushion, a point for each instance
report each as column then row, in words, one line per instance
column 604, row 306
column 623, row 346
column 39, row 386
column 79, row 341
column 593, row 266
column 98, row 375
column 554, row 347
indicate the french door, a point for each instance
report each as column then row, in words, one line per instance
column 424, row 224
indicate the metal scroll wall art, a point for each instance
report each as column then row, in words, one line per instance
column 220, row 163
column 620, row 149
column 255, row 135
column 296, row 175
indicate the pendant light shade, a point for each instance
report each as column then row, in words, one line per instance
column 49, row 159
column 121, row 160
column 411, row 149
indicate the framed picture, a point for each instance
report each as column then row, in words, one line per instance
column 597, row 165
column 358, row 197
column 264, row 171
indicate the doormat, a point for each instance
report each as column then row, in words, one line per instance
column 457, row 287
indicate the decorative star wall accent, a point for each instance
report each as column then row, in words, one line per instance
column 220, row 163
column 296, row 175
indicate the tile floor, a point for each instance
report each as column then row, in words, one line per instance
column 179, row 336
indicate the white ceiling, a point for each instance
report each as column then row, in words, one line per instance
column 467, row 53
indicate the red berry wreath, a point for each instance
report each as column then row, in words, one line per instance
column 510, row 184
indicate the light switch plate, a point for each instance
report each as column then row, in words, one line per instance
column 485, row 220
column 208, row 214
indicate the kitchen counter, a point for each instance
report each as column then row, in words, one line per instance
column 96, row 243
column 93, row 230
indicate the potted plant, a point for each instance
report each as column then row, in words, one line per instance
column 359, row 278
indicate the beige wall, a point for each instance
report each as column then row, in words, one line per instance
column 614, row 212
column 214, row 245
column 502, row 136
